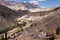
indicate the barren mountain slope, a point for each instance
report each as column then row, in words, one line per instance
column 48, row 23
column 7, row 17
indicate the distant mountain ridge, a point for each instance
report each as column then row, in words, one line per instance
column 23, row 6
column 16, row 5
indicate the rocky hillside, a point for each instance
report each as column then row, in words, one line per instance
column 7, row 17
column 48, row 23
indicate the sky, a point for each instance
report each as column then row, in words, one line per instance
column 42, row 3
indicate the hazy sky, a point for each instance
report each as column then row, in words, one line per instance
column 42, row 3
